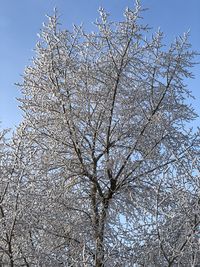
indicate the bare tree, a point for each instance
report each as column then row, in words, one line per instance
column 107, row 114
column 14, row 157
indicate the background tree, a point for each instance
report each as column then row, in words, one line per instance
column 107, row 113
column 14, row 156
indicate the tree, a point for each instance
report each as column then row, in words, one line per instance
column 107, row 113
column 14, row 156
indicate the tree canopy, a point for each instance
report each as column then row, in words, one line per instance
column 104, row 170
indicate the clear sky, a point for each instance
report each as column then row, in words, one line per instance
column 21, row 20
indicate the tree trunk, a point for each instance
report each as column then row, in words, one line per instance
column 100, row 252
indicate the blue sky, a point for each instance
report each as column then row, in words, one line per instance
column 21, row 20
